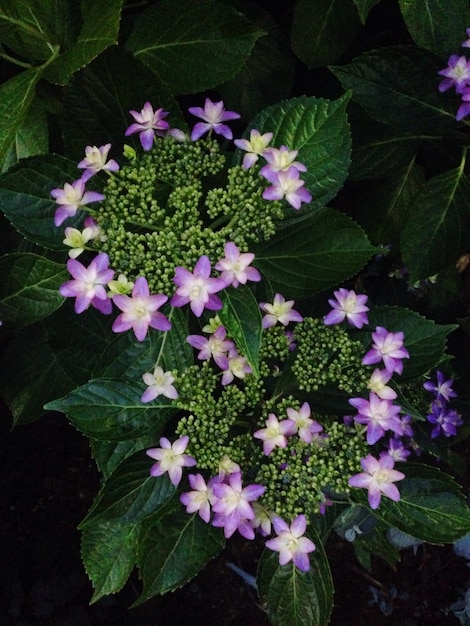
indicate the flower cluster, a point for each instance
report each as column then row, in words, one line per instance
column 444, row 420
column 457, row 74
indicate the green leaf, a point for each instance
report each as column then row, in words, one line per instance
column 32, row 136
column 39, row 366
column 385, row 206
column 29, row 289
column 431, row 506
column 293, row 597
column 25, row 198
column 319, row 130
column 242, row 317
column 364, row 7
column 398, row 86
column 109, row 552
column 174, row 550
column 100, row 28
column 16, row 96
column 111, row 410
column 435, row 233
column 424, row 340
column 130, row 494
column 322, row 30
column 109, row 454
column 436, row 25
column 207, row 41
column 98, row 100
column 311, row 255
column 267, row 75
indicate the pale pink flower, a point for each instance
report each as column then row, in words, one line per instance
column 227, row 467
column 89, row 284
column 171, row 458
column 148, row 123
column 71, row 198
column 291, row 543
column 254, row 147
column 275, row 434
column 215, row 346
column 235, row 266
column 140, row 311
column 279, row 311
column 96, row 161
column 159, row 383
column 303, row 425
column 379, row 415
column 213, row 115
column 378, row 478
column 348, row 305
column 280, row 160
column 197, row 288
column 378, row 384
column 78, row 239
column 198, row 499
column 236, row 367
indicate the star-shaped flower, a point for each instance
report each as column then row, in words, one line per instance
column 254, row 147
column 235, row 266
column 148, row 123
column 279, row 311
column 348, row 305
column 197, row 288
column 286, row 184
column 71, row 198
column 387, row 347
column 89, row 284
column 213, row 114
column 96, row 161
column 159, row 383
column 378, row 478
column 291, row 543
column 171, row 458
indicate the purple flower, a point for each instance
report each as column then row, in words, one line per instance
column 443, row 388
column 235, row 267
column 286, row 184
column 140, row 311
column 215, row 346
column 457, row 73
column 291, row 543
column 96, row 161
column 275, row 434
column 445, row 421
column 236, row 366
column 232, row 505
column 148, row 123
column 348, row 305
column 170, row 458
column 387, row 347
column 71, row 198
column 397, row 450
column 254, row 147
column 466, row 43
column 379, row 415
column 279, row 311
column 213, row 115
column 464, row 108
column 198, row 499
column 378, row 478
column 88, row 286
column 197, row 288
column 159, row 383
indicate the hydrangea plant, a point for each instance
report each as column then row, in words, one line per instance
column 223, row 335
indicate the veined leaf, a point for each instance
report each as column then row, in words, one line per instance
column 29, row 289
column 109, row 552
column 322, row 30
column 436, row 25
column 207, row 41
column 435, row 233
column 130, row 494
column 174, row 549
column 311, row 255
column 111, row 410
column 364, row 7
column 99, row 30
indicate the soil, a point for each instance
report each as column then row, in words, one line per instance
column 48, row 482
